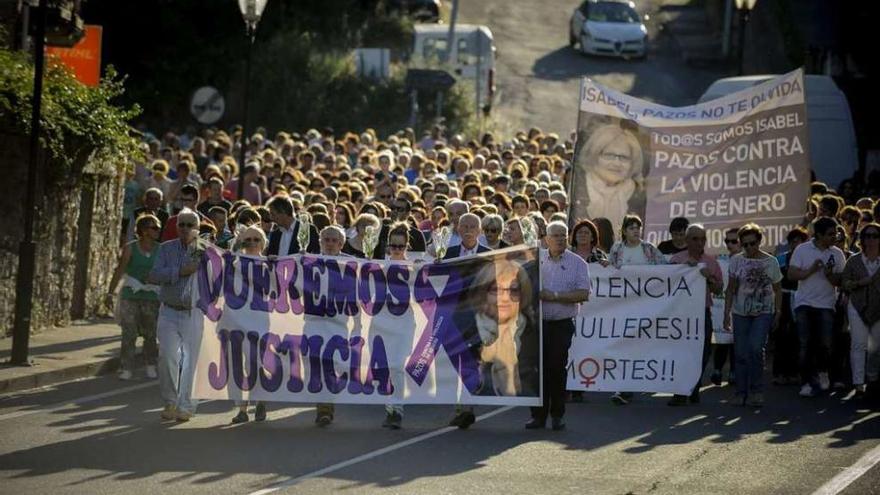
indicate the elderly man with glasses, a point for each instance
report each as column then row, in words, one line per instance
column 565, row 282
column 177, row 261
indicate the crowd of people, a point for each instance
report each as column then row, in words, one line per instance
column 815, row 297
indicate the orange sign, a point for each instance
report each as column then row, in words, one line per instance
column 83, row 58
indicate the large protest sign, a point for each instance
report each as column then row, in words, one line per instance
column 641, row 331
column 309, row 328
column 722, row 163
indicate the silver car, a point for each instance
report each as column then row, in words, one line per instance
column 608, row 27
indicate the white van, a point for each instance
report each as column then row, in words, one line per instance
column 473, row 53
column 834, row 153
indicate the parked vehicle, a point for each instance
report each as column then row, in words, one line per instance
column 608, row 27
column 420, row 10
column 472, row 56
column 834, row 153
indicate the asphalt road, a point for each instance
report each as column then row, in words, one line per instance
column 117, row 444
column 539, row 74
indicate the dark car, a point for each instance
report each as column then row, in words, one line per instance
column 420, row 10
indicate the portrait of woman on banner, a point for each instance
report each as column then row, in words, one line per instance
column 612, row 163
column 502, row 329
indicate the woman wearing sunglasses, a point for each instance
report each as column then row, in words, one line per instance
column 250, row 240
column 396, row 249
column 753, row 302
column 138, row 303
column 861, row 279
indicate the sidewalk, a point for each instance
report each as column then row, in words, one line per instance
column 83, row 349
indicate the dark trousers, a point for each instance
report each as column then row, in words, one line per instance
column 707, row 353
column 815, row 332
column 556, row 341
column 785, row 340
column 722, row 351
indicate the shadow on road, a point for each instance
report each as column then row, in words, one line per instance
column 124, row 438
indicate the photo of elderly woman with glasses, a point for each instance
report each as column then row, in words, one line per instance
column 499, row 324
column 610, row 177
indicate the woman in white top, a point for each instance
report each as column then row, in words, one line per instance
column 753, row 303
column 632, row 250
column 250, row 240
column 861, row 279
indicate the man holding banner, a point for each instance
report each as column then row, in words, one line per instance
column 695, row 237
column 565, row 282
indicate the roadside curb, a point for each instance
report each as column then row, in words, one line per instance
column 53, row 376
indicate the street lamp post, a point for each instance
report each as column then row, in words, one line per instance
column 251, row 11
column 744, row 7
column 24, row 282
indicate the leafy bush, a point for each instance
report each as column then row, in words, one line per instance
column 77, row 121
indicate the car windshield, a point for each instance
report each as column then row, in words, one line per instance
column 612, row 12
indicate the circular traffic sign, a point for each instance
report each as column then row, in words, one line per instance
column 207, row 105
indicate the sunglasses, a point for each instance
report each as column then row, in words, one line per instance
column 397, row 246
column 731, row 241
column 750, row 244
column 513, row 292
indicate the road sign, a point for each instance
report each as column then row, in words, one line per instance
column 83, row 58
column 428, row 79
column 207, row 105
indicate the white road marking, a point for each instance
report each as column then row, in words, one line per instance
column 84, row 400
column 373, row 454
column 850, row 474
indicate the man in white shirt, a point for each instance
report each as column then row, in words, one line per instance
column 816, row 267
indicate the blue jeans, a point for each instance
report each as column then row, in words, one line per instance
column 749, row 339
column 178, row 344
column 815, row 331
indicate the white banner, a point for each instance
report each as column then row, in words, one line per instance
column 641, row 331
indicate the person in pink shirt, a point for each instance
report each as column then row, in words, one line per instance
column 695, row 254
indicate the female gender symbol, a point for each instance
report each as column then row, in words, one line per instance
column 588, row 379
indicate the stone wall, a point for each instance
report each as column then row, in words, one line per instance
column 73, row 264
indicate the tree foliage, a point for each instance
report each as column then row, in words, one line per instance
column 78, row 121
column 302, row 69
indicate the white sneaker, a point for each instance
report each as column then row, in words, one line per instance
column 151, row 372
column 125, row 375
column 806, row 390
column 824, row 382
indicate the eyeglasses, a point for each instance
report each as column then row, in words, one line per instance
column 491, row 230
column 614, row 156
column 731, row 241
column 397, row 246
column 186, row 225
column 513, row 292
column 749, row 244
